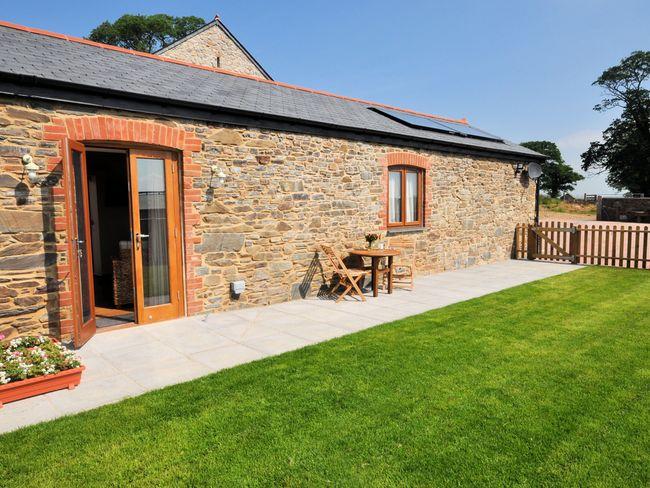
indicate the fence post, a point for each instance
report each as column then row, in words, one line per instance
column 532, row 242
column 574, row 244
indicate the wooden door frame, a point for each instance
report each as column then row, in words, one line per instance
column 80, row 336
column 174, row 237
column 173, row 199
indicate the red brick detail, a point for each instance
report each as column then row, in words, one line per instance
column 398, row 158
column 405, row 159
column 60, row 224
column 116, row 129
column 66, row 327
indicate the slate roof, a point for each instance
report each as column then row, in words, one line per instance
column 44, row 57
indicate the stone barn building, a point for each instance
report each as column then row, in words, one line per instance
column 138, row 187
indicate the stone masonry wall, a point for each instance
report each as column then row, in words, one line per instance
column 624, row 209
column 284, row 193
column 27, row 235
column 204, row 49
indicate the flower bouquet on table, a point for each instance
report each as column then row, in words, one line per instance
column 33, row 365
column 372, row 240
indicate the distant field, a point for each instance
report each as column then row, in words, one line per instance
column 555, row 209
column 555, row 205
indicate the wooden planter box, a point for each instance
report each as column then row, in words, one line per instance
column 18, row 390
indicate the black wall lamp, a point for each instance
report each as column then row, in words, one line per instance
column 518, row 168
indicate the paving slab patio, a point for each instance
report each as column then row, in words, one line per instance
column 129, row 362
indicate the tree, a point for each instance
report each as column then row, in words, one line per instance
column 147, row 33
column 557, row 177
column 625, row 150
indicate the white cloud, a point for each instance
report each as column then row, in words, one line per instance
column 577, row 142
column 572, row 146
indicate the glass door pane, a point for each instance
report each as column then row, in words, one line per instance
column 157, row 255
column 78, row 237
column 82, row 241
column 153, row 237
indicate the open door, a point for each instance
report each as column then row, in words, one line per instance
column 79, row 249
column 157, row 260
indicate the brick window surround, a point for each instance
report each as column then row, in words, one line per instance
column 400, row 158
column 105, row 129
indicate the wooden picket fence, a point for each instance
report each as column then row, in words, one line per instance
column 604, row 245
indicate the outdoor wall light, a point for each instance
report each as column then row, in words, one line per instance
column 32, row 173
column 217, row 176
column 518, row 168
column 32, row 168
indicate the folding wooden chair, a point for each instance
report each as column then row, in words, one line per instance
column 347, row 277
column 404, row 265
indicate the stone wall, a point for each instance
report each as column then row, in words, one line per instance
column 27, row 237
column 624, row 209
column 284, row 193
column 215, row 49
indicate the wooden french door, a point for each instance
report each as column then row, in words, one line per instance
column 80, row 251
column 156, row 230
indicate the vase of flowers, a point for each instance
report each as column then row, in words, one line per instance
column 372, row 239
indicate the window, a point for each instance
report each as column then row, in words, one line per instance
column 405, row 196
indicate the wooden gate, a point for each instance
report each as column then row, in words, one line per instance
column 621, row 246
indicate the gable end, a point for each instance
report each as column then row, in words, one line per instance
column 214, row 46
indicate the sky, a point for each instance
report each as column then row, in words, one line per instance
column 520, row 69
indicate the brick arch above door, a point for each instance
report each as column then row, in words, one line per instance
column 117, row 129
column 99, row 128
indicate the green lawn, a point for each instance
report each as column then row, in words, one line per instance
column 543, row 384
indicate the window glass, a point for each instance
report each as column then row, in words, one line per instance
column 395, row 197
column 412, row 196
column 405, row 196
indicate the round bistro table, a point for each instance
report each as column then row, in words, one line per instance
column 376, row 255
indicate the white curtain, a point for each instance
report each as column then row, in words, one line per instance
column 411, row 196
column 395, row 197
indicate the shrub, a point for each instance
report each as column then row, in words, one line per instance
column 29, row 357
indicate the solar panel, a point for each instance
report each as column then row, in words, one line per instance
column 413, row 119
column 472, row 131
column 437, row 125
